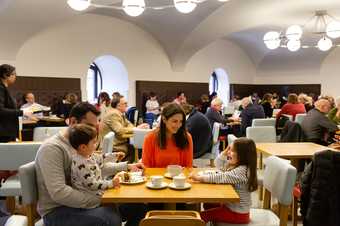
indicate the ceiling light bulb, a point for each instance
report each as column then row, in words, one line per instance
column 272, row 39
column 293, row 45
column 324, row 44
column 333, row 29
column 79, row 5
column 133, row 7
column 185, row 6
column 294, row 32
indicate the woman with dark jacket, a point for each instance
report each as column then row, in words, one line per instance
column 9, row 113
column 267, row 105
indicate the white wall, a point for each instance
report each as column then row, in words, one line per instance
column 328, row 75
column 67, row 49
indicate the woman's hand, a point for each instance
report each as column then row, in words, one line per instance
column 143, row 126
column 136, row 167
column 225, row 152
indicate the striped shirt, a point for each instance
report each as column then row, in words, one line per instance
column 236, row 177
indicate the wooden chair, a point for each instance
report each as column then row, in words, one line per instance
column 171, row 218
column 279, row 180
column 28, row 180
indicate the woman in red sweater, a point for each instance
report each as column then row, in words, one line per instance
column 292, row 107
column 170, row 144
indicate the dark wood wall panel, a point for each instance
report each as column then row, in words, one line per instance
column 46, row 90
column 244, row 90
column 166, row 91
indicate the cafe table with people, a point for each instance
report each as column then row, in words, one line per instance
column 169, row 185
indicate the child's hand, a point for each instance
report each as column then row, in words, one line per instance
column 225, row 152
column 119, row 155
column 116, row 181
column 195, row 177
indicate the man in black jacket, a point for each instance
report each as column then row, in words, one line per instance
column 200, row 130
column 320, row 190
column 250, row 111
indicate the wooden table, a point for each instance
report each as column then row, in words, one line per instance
column 291, row 151
column 198, row 193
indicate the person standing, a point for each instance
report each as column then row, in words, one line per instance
column 9, row 123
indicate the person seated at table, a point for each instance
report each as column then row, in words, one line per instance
column 103, row 104
column 213, row 114
column 316, row 126
column 29, row 103
column 152, row 109
column 292, row 107
column 87, row 170
column 250, row 111
column 199, row 127
column 334, row 114
column 238, row 163
column 59, row 203
column 116, row 121
column 267, row 104
column 180, row 98
column 307, row 101
column 170, row 144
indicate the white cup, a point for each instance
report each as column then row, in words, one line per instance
column 174, row 170
column 179, row 181
column 156, row 181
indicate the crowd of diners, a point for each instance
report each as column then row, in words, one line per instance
column 72, row 172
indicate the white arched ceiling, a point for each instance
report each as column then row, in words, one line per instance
column 241, row 21
column 21, row 19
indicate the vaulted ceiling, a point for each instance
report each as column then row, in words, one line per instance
column 244, row 22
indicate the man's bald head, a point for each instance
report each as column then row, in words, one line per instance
column 323, row 105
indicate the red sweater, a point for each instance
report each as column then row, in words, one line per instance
column 154, row 157
column 291, row 109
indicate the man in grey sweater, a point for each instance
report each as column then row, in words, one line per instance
column 61, row 205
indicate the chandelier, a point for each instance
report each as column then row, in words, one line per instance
column 326, row 28
column 136, row 7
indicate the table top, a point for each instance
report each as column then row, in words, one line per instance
column 290, row 150
column 199, row 192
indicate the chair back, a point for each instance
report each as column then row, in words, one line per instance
column 299, row 118
column 135, row 118
column 231, row 138
column 170, row 218
column 261, row 134
column 108, row 142
column 42, row 133
column 138, row 137
column 215, row 132
column 13, row 155
column 28, row 181
column 263, row 122
column 228, row 110
column 281, row 188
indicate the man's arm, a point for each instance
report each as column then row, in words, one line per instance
column 328, row 124
column 115, row 124
column 51, row 161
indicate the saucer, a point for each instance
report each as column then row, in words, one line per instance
column 151, row 186
column 185, row 187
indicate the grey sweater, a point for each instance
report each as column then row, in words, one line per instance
column 53, row 170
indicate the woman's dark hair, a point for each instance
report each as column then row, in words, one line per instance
column 152, row 94
column 292, row 98
column 179, row 93
column 24, row 101
column 6, row 70
column 81, row 134
column 104, row 96
column 246, row 153
column 181, row 138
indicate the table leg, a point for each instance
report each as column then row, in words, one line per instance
column 170, row 206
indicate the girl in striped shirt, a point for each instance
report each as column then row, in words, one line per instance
column 237, row 165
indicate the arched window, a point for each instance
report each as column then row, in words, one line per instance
column 219, row 83
column 106, row 73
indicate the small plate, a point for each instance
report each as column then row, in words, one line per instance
column 185, row 187
column 149, row 185
column 135, row 181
